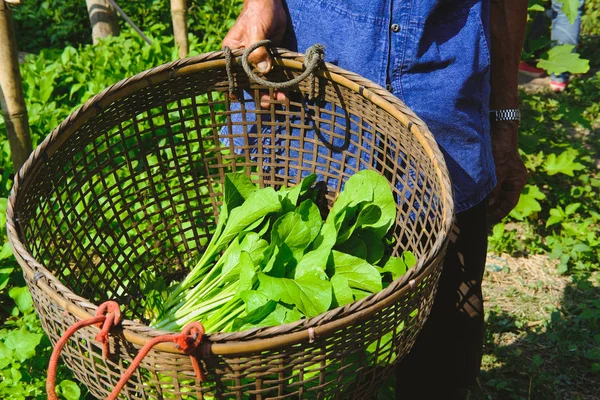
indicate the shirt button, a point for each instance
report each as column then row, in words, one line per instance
column 389, row 88
column 395, row 27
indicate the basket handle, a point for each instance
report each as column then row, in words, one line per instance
column 312, row 61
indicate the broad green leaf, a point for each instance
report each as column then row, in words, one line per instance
column 22, row 298
column 292, row 232
column 359, row 273
column 255, row 316
column 570, row 9
column 6, row 251
column 360, row 294
column 74, row 89
column 5, row 276
column 311, row 215
column 555, row 217
column 528, row 202
column 396, row 266
column 565, row 163
column 69, row 390
column 252, row 245
column 341, row 290
column 356, row 190
column 292, row 195
column 236, row 188
column 409, row 259
column 6, row 356
column 23, row 343
column 255, row 246
column 257, row 205
column 354, row 246
column 571, row 208
column 310, row 294
column 314, row 262
column 253, row 299
column 370, row 187
column 563, row 59
column 278, row 316
column 247, row 272
column 368, row 215
column 374, row 245
column 384, row 199
column 536, row 7
column 580, row 248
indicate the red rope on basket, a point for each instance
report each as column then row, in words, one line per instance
column 108, row 315
column 187, row 341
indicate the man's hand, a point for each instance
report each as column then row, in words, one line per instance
column 259, row 20
column 511, row 173
column 508, row 20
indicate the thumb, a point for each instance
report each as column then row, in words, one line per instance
column 260, row 57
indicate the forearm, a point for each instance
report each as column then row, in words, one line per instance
column 508, row 20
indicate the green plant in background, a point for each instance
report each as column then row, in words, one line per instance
column 66, row 23
column 24, row 348
column 561, row 58
column 558, row 212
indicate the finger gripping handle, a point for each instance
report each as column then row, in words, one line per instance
column 312, row 61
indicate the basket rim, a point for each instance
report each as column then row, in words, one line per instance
column 221, row 343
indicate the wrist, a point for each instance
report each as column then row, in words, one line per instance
column 504, row 95
column 505, row 114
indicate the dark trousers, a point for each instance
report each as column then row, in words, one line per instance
column 447, row 354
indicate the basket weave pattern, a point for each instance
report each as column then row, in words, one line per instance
column 130, row 183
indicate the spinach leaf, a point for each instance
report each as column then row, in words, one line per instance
column 315, row 260
column 374, row 244
column 291, row 232
column 341, row 290
column 367, row 187
column 254, row 317
column 359, row 273
column 368, row 215
column 253, row 299
column 290, row 197
column 354, row 246
column 397, row 266
column 309, row 293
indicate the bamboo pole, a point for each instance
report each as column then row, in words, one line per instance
column 103, row 19
column 11, row 91
column 179, row 17
column 129, row 21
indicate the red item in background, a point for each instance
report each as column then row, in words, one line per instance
column 528, row 70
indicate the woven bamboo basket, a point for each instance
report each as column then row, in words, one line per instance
column 130, row 182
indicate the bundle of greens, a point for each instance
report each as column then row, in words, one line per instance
column 280, row 256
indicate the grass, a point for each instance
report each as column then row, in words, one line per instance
column 543, row 337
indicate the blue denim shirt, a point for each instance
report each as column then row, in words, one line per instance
column 433, row 55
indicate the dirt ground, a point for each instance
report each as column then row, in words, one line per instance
column 536, row 342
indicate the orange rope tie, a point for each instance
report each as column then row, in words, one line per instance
column 108, row 315
column 187, row 341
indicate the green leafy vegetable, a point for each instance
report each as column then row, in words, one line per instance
column 273, row 259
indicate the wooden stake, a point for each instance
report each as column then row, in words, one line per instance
column 11, row 91
column 103, row 19
column 179, row 17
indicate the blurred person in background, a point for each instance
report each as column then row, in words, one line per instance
column 562, row 32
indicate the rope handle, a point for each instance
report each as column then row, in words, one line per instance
column 108, row 316
column 313, row 59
